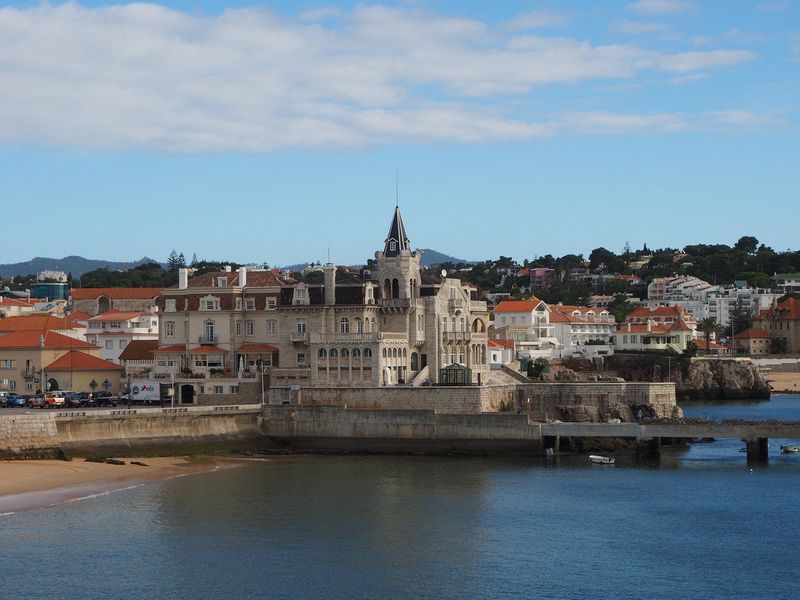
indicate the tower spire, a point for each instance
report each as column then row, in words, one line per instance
column 396, row 240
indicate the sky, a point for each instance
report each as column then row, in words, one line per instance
column 286, row 132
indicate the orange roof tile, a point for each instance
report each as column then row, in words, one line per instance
column 752, row 333
column 115, row 293
column 36, row 322
column 36, row 339
column 517, row 306
column 207, row 350
column 76, row 316
column 14, row 302
column 502, row 343
column 172, row 349
column 257, row 348
column 80, row 361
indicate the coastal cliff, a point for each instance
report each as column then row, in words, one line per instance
column 697, row 378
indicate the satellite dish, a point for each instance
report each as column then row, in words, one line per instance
column 444, row 273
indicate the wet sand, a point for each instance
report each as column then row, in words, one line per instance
column 32, row 484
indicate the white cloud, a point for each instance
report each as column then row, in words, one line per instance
column 638, row 27
column 659, row 7
column 537, row 19
column 146, row 76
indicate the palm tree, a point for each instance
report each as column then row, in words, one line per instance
column 707, row 326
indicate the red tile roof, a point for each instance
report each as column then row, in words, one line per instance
column 80, row 361
column 257, row 348
column 139, row 350
column 207, row 350
column 36, row 322
column 517, row 306
column 115, row 293
column 502, row 343
column 752, row 333
column 36, row 339
column 76, row 316
column 255, row 279
column 172, row 349
column 14, row 302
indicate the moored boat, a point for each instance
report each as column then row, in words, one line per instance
column 601, row 460
column 790, row 448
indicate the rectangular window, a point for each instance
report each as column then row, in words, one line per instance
column 301, row 360
column 271, row 303
column 624, row 339
column 301, row 325
column 249, row 303
column 222, row 282
column 238, row 304
column 250, row 328
column 234, row 389
column 218, row 389
column 169, row 305
column 238, row 328
column 109, row 344
column 169, row 329
column 272, row 327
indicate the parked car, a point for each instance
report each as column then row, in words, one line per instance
column 16, row 401
column 57, row 399
column 104, row 399
column 36, row 401
column 3, row 399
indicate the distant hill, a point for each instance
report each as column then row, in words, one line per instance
column 429, row 258
column 77, row 265
column 432, row 257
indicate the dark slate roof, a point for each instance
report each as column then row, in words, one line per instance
column 397, row 234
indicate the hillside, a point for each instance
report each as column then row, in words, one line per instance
column 77, row 265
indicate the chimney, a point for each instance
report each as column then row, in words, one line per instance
column 242, row 276
column 183, row 278
column 649, row 324
column 41, row 341
column 227, row 268
column 330, row 283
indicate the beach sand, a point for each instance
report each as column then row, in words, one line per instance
column 32, row 484
column 784, row 382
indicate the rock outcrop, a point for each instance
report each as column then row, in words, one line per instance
column 721, row 380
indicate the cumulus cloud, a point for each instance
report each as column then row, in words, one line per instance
column 248, row 80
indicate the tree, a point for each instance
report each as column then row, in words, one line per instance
column 740, row 317
column 537, row 368
column 746, row 244
column 707, row 326
column 173, row 261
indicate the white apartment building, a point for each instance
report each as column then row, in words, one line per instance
column 114, row 330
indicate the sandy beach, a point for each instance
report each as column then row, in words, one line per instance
column 32, row 484
column 784, row 382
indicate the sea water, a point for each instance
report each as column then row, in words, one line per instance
column 701, row 523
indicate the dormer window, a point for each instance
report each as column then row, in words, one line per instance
column 209, row 303
column 250, row 303
column 222, row 282
column 169, row 305
column 392, row 245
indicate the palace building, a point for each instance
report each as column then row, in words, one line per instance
column 397, row 325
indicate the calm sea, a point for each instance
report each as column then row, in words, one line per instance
column 702, row 524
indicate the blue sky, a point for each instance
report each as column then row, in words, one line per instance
column 274, row 132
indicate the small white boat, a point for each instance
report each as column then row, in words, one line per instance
column 790, row 448
column 601, row 460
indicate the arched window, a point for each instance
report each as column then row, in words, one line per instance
column 334, row 353
column 387, row 289
column 414, row 361
column 384, row 353
column 344, row 325
column 359, row 325
column 477, row 326
column 356, row 352
column 394, row 352
column 395, row 288
column 345, row 353
column 405, row 353
column 323, row 353
column 444, row 324
column 367, row 353
column 452, row 292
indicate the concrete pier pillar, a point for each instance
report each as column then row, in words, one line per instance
column 650, row 448
column 757, row 450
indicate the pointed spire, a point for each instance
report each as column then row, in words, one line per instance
column 397, row 239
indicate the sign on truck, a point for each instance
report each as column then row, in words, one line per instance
column 145, row 392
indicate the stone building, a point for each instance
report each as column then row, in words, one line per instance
column 782, row 323
column 96, row 301
column 396, row 325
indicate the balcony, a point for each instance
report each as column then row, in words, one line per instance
column 455, row 303
column 396, row 302
column 345, row 337
column 207, row 339
column 455, row 336
column 299, row 337
column 29, row 373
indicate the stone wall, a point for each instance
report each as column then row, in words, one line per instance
column 29, row 436
column 594, row 402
